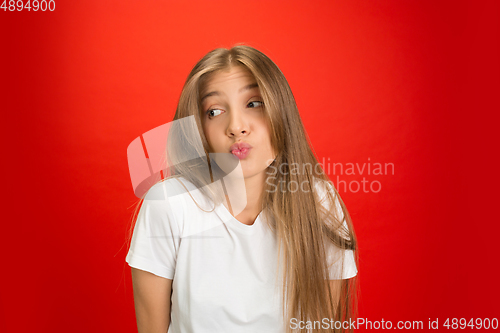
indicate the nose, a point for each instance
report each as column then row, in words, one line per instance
column 238, row 124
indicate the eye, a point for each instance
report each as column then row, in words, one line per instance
column 255, row 104
column 213, row 113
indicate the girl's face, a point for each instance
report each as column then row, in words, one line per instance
column 235, row 122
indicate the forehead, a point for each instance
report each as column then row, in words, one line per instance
column 235, row 76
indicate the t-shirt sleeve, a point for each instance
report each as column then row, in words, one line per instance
column 155, row 240
column 342, row 264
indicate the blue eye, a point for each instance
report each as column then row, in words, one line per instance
column 214, row 112
column 252, row 104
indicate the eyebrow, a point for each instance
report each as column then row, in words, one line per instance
column 216, row 93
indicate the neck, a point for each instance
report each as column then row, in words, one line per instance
column 252, row 188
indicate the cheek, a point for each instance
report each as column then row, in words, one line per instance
column 213, row 137
column 265, row 134
column 208, row 134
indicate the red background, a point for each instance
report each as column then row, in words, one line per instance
column 413, row 83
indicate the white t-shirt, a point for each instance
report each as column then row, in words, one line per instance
column 223, row 271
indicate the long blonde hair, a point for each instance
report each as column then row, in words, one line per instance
column 301, row 222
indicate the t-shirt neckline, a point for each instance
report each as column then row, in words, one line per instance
column 229, row 219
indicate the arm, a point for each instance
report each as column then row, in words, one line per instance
column 152, row 301
column 335, row 287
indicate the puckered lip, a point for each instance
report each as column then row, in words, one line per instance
column 239, row 146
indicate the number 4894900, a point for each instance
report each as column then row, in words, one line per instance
column 477, row 323
column 34, row 5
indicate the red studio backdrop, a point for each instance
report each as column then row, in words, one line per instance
column 411, row 86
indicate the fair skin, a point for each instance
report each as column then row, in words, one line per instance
column 152, row 301
column 237, row 116
column 233, row 112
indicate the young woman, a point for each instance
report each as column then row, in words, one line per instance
column 251, row 236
